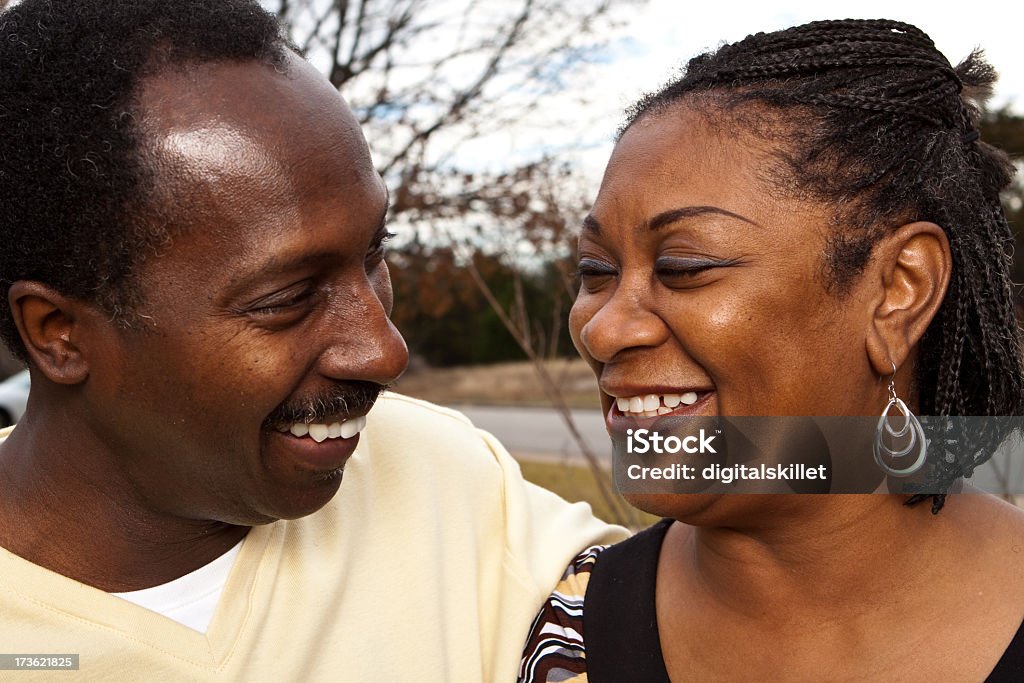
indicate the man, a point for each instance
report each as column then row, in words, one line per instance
column 193, row 262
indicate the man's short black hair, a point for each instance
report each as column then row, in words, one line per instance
column 73, row 179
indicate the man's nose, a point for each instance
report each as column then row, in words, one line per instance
column 364, row 343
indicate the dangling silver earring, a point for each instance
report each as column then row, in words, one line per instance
column 911, row 432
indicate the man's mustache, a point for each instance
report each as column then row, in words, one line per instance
column 341, row 400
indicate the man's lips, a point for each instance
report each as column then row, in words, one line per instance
column 330, row 428
column 335, row 404
column 319, row 431
column 321, row 446
column 305, row 453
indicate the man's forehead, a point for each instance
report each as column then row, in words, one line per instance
column 247, row 104
column 240, row 133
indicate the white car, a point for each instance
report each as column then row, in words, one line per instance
column 13, row 397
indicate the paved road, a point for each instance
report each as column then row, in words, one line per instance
column 541, row 432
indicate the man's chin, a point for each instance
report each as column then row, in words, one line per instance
column 296, row 506
column 287, row 504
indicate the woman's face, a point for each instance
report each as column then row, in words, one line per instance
column 703, row 284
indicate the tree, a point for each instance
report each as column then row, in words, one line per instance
column 431, row 80
column 507, row 235
column 417, row 71
column 440, row 87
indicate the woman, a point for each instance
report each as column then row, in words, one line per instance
column 805, row 223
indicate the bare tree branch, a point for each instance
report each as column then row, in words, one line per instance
column 341, row 10
column 417, row 71
column 622, row 513
column 426, row 78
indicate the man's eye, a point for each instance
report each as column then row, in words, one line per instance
column 377, row 248
column 286, row 301
column 593, row 274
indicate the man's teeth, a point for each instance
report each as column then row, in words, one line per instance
column 320, row 432
column 652, row 405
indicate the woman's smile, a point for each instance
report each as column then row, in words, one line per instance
column 645, row 409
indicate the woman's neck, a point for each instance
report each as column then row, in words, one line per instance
column 836, row 582
column 835, row 552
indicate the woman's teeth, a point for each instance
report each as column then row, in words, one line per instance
column 320, row 432
column 652, row 405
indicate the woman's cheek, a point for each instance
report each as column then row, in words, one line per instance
column 579, row 315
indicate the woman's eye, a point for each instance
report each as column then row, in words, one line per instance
column 592, row 274
column 675, row 271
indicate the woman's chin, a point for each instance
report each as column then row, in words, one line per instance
column 685, row 507
column 735, row 510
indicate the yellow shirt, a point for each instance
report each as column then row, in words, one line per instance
column 428, row 565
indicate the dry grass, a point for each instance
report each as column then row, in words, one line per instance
column 574, row 483
column 503, row 384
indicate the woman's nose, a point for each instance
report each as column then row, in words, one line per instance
column 623, row 321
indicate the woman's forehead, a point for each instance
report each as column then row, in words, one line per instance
column 683, row 157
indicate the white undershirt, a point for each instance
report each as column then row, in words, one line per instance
column 191, row 599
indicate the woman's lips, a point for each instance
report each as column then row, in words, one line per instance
column 653, row 404
column 619, row 420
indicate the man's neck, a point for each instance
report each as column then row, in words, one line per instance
column 65, row 509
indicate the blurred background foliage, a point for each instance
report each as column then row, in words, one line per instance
column 1005, row 130
column 426, row 83
column 427, row 80
column 484, row 225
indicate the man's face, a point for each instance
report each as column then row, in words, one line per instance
column 268, row 309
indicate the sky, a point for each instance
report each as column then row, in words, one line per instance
column 666, row 32
column 655, row 37
column 659, row 36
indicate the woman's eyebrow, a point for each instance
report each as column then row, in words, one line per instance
column 592, row 226
column 672, row 215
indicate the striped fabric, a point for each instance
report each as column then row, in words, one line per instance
column 555, row 651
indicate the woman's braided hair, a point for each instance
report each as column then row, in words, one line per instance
column 879, row 124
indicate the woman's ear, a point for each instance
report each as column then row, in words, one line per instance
column 914, row 265
column 50, row 327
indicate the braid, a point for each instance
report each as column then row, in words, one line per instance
column 880, row 125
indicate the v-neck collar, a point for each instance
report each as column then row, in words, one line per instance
column 247, row 588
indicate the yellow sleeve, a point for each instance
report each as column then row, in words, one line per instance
column 545, row 532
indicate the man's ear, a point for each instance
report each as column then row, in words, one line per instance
column 914, row 265
column 50, row 327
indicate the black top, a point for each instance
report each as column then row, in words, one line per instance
column 621, row 626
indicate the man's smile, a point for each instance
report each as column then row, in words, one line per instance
column 304, row 452
column 320, row 431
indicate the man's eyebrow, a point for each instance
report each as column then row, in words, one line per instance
column 278, row 265
column 672, row 215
